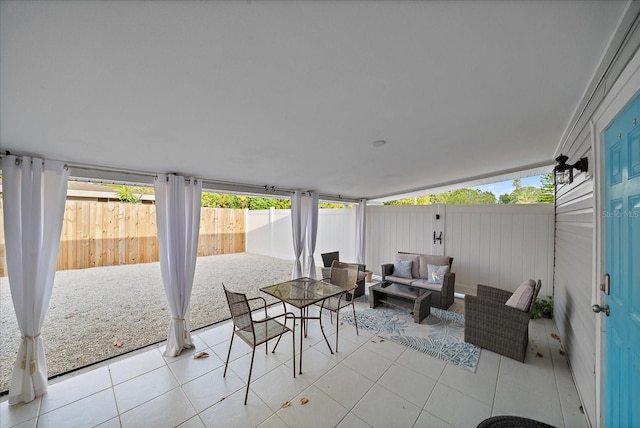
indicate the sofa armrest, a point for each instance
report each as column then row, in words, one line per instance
column 487, row 292
column 491, row 315
column 387, row 269
column 448, row 284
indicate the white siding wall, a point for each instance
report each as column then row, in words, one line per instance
column 574, row 278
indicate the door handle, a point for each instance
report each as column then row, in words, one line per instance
column 597, row 309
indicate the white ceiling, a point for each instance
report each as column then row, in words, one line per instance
column 292, row 94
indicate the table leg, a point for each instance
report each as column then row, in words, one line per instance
column 422, row 307
column 302, row 320
column 306, row 321
column 374, row 298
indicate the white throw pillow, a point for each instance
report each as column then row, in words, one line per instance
column 402, row 268
column 435, row 274
column 521, row 298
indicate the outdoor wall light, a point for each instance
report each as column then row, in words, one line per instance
column 563, row 172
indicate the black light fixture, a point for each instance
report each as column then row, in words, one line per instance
column 563, row 172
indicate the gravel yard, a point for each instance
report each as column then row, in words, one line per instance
column 92, row 308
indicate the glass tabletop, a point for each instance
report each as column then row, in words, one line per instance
column 302, row 292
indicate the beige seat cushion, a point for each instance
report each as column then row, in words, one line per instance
column 405, row 281
column 521, row 298
column 423, row 283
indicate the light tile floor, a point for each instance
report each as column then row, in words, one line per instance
column 368, row 383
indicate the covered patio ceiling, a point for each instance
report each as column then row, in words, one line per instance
column 292, row 95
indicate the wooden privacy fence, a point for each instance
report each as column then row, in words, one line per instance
column 115, row 233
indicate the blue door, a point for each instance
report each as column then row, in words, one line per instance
column 622, row 232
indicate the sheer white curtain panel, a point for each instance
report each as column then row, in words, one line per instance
column 34, row 195
column 361, row 231
column 311, row 209
column 297, row 232
column 178, row 203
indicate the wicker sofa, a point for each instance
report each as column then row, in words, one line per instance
column 493, row 324
column 441, row 294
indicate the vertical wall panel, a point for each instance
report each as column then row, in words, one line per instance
column 497, row 245
column 491, row 244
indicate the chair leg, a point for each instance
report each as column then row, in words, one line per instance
column 277, row 342
column 226, row 364
column 293, row 339
column 285, row 323
column 280, row 337
column 355, row 320
column 323, row 335
column 246, row 394
column 337, row 327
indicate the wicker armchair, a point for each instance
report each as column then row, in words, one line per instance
column 492, row 325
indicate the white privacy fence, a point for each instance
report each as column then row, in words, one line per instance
column 498, row 245
column 269, row 233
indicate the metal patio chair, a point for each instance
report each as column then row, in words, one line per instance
column 255, row 332
column 344, row 275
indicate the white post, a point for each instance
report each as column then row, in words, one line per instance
column 272, row 215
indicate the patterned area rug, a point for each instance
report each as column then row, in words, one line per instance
column 440, row 335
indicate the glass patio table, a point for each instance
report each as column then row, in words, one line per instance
column 302, row 293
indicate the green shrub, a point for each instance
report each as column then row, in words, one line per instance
column 543, row 308
column 125, row 194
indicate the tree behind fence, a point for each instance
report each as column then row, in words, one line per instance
column 115, row 233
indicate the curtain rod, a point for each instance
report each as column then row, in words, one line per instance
column 101, row 174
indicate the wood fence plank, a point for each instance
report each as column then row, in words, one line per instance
column 112, row 233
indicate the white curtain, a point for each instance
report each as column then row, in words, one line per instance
column 34, row 194
column 297, row 229
column 310, row 202
column 361, row 231
column 178, row 203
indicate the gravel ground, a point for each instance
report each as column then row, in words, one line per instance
column 92, row 308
